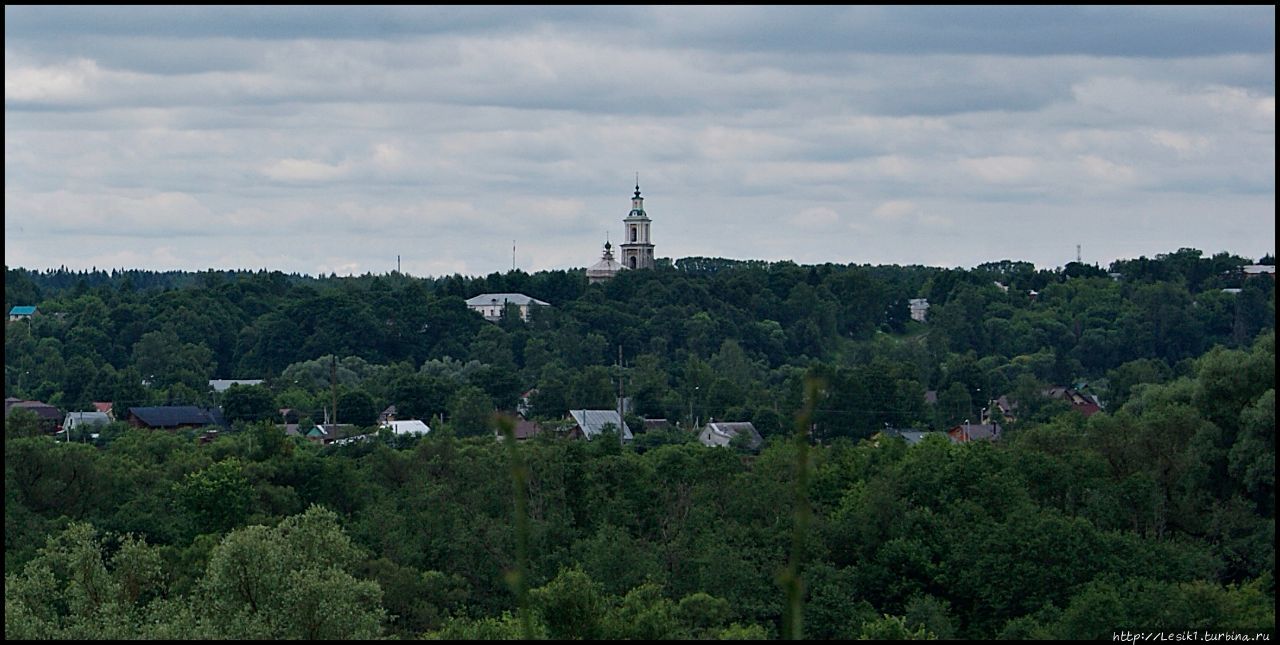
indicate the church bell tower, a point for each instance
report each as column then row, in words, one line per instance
column 637, row 248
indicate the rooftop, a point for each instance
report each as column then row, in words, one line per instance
column 518, row 299
column 592, row 422
column 222, row 384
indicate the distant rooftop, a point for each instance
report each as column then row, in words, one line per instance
column 170, row 416
column 518, row 299
column 721, row 434
column 222, row 384
column 592, row 422
column 408, row 426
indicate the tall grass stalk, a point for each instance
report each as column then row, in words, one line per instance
column 793, row 612
column 518, row 578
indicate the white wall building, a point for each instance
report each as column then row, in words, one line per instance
column 491, row 305
column 919, row 308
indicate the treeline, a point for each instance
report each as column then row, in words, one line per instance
column 699, row 338
column 1157, row 516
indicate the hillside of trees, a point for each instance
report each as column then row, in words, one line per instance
column 1157, row 514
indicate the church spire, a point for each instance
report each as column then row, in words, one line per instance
column 637, row 196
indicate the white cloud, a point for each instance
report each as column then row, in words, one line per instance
column 142, row 215
column 895, row 210
column 908, row 214
column 1186, row 145
column 1107, row 171
column 74, row 79
column 304, row 170
column 388, row 156
column 814, row 218
column 1002, row 169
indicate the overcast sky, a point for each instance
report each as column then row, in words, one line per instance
column 328, row 139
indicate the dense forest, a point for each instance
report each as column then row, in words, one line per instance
column 1155, row 514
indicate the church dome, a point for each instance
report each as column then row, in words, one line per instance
column 606, row 268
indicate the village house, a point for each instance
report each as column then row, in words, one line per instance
column 83, row 421
column 407, row 427
column 22, row 313
column 223, row 384
column 721, row 434
column 173, row 417
column 1255, row 270
column 491, row 305
column 588, row 424
column 47, row 415
column 387, row 416
column 919, row 308
column 327, row 433
column 967, row 432
column 912, row 437
column 656, row 425
column 1086, row 404
column 524, row 430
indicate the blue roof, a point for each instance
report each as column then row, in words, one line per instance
column 22, row 311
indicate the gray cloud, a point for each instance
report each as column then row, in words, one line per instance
column 318, row 139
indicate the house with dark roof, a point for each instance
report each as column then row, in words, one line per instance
column 656, row 425
column 388, row 415
column 525, row 405
column 967, row 432
column 912, row 437
column 1085, row 404
column 1006, row 406
column 172, row 417
column 588, row 424
column 46, row 414
column 526, row 429
column 327, row 433
column 721, row 434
